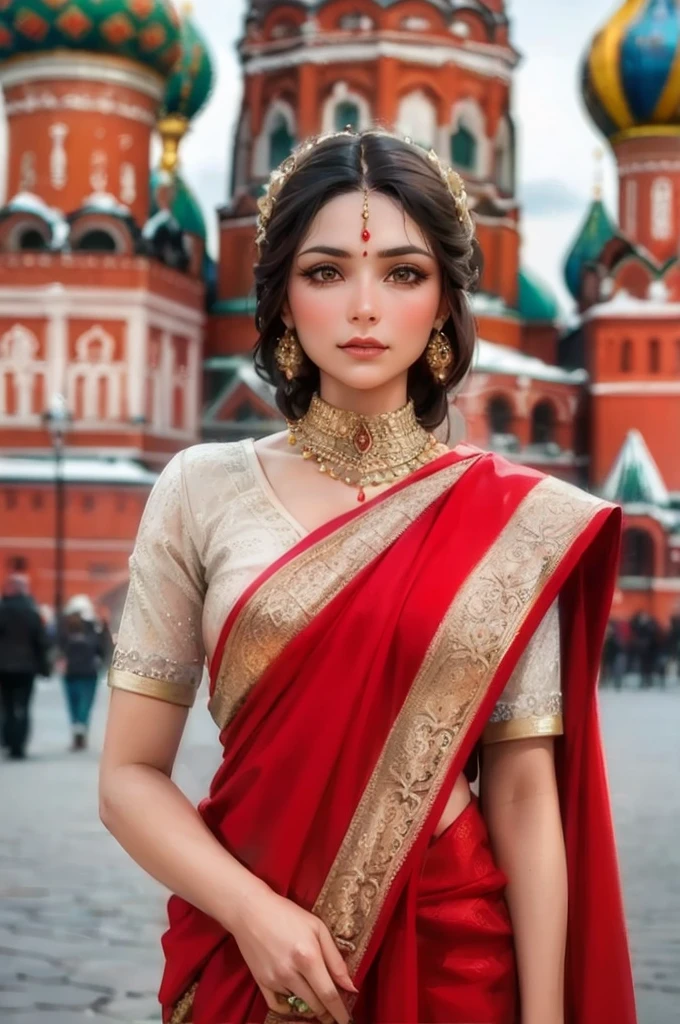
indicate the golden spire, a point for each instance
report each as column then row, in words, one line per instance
column 172, row 129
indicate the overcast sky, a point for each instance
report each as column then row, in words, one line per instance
column 556, row 141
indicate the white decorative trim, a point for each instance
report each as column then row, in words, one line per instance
column 417, row 118
column 661, row 216
column 503, row 145
column 81, row 103
column 98, row 303
column 128, row 183
column 20, row 368
column 638, row 389
column 649, row 167
column 136, row 344
column 82, row 67
column 342, row 94
column 489, row 65
column 631, row 207
column 27, row 171
column 279, row 108
column 467, row 113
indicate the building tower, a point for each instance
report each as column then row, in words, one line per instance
column 625, row 278
column 98, row 302
column 436, row 71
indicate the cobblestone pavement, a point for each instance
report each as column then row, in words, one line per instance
column 80, row 923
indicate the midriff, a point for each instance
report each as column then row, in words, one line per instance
column 458, row 800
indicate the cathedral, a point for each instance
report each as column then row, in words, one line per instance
column 110, row 298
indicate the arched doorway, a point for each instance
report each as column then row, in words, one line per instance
column 543, row 423
column 499, row 415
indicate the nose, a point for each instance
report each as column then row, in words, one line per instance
column 364, row 309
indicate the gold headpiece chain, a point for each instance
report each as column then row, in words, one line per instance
column 281, row 175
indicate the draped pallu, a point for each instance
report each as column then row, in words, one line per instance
column 352, row 682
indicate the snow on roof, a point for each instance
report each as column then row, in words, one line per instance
column 74, row 470
column 635, row 476
column 492, row 358
column 105, row 202
column 626, row 305
column 28, row 202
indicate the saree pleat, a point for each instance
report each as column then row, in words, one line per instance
column 340, row 753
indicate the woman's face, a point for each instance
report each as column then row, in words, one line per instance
column 385, row 292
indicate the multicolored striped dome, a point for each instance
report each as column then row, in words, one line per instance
column 146, row 31
column 631, row 74
column 191, row 81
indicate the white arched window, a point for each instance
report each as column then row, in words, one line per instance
column 277, row 137
column 22, row 375
column 417, row 118
column 631, row 207
column 662, row 209
column 94, row 379
column 469, row 142
column 343, row 107
column 504, row 157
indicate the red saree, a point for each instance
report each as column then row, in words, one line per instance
column 375, row 651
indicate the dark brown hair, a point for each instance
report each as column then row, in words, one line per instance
column 402, row 171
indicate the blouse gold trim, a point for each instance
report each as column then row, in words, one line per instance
column 161, row 689
column 523, row 728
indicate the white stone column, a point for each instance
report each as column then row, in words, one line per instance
column 193, row 386
column 57, row 342
column 137, row 369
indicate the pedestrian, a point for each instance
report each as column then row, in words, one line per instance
column 24, row 650
column 85, row 643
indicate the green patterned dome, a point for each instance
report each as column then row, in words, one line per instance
column 536, row 303
column 185, row 206
column 145, row 31
column 191, row 82
column 594, row 234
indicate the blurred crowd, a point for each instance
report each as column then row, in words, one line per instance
column 643, row 650
column 76, row 647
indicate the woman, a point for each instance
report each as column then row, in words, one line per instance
column 85, row 647
column 366, row 656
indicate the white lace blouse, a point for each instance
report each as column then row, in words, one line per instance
column 211, row 526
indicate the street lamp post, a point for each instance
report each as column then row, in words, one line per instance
column 57, row 419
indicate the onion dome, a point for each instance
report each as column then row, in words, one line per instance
column 187, row 90
column 635, row 476
column 184, row 206
column 631, row 74
column 145, row 31
column 595, row 232
column 536, row 302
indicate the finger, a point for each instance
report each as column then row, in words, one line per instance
column 277, row 1001
column 318, row 1011
column 337, row 967
column 323, row 990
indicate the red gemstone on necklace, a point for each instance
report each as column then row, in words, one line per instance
column 361, row 496
column 365, row 235
column 363, row 441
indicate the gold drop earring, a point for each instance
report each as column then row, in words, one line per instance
column 439, row 355
column 288, row 354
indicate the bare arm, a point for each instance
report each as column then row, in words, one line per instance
column 153, row 820
column 519, row 795
column 285, row 947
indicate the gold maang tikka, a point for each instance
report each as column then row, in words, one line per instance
column 365, row 213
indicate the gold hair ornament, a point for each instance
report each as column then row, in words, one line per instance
column 278, row 178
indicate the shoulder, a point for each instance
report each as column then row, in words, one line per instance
column 207, row 462
column 505, row 478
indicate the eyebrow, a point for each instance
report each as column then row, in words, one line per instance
column 401, row 250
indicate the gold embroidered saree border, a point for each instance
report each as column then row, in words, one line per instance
column 285, row 603
column 161, row 689
column 475, row 634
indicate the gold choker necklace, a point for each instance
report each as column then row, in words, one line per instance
column 364, row 450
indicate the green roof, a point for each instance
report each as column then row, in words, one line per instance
column 536, row 302
column 191, row 82
column 595, row 232
column 635, row 477
column 185, row 207
column 146, row 31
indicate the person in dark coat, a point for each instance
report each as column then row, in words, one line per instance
column 24, row 649
column 85, row 644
